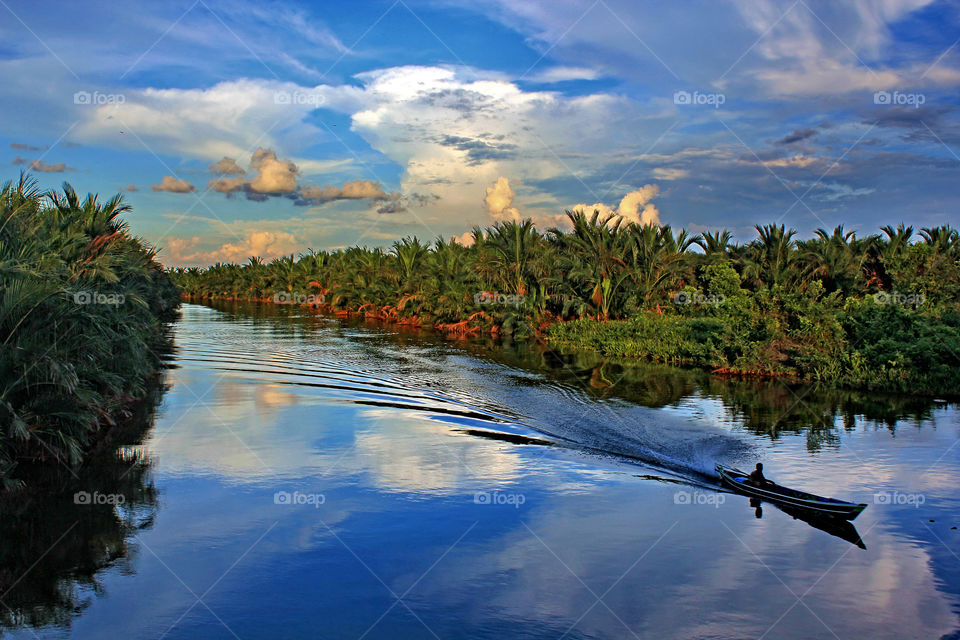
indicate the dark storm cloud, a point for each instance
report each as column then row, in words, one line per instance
column 923, row 124
column 479, row 151
column 797, row 136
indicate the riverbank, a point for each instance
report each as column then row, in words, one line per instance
column 875, row 312
column 864, row 346
column 84, row 323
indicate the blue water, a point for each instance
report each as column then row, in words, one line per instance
column 315, row 479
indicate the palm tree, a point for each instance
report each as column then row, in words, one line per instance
column 837, row 258
column 656, row 259
column 945, row 239
column 593, row 259
column 770, row 259
column 715, row 244
column 512, row 248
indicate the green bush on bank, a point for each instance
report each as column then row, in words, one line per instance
column 862, row 344
column 83, row 306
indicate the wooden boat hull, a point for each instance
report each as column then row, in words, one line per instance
column 736, row 480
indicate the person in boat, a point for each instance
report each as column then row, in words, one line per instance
column 756, row 476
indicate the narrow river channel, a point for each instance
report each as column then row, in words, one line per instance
column 305, row 477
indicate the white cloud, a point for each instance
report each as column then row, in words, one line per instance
column 634, row 207
column 173, row 185
column 227, row 119
column 227, row 185
column 356, row 190
column 43, row 167
column 266, row 244
column 666, row 173
column 274, row 176
column 798, row 161
column 499, row 199
column 226, row 166
column 564, row 74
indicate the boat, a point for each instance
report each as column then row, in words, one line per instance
column 831, row 507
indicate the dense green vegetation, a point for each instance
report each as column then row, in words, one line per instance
column 83, row 306
column 881, row 311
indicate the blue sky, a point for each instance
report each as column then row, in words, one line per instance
column 238, row 128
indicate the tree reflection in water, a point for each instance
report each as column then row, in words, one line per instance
column 763, row 407
column 54, row 541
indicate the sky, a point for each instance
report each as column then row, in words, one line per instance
column 242, row 128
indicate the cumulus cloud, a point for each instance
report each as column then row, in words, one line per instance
column 227, row 185
column 499, row 199
column 265, row 244
column 226, row 166
column 466, row 239
column 274, row 176
column 449, row 130
column 356, row 190
column 40, row 165
column 130, row 187
column 634, row 207
column 19, row 160
column 173, row 185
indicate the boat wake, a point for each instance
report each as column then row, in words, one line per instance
column 477, row 396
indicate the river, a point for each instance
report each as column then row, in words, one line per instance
column 307, row 477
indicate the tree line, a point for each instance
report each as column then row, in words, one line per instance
column 623, row 288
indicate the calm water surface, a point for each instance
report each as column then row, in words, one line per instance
column 307, row 478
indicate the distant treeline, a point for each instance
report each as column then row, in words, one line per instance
column 880, row 311
column 83, row 307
